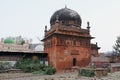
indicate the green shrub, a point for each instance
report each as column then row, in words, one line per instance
column 86, row 72
column 29, row 65
column 50, row 70
column 34, row 66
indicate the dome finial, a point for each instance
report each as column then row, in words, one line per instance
column 46, row 28
column 65, row 6
column 88, row 25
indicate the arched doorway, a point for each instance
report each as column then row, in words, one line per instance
column 74, row 61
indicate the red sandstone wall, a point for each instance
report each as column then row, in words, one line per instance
column 62, row 52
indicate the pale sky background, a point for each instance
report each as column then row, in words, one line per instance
column 28, row 18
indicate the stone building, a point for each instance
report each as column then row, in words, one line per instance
column 15, row 48
column 100, row 61
column 66, row 42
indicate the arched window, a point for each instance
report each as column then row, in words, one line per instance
column 74, row 61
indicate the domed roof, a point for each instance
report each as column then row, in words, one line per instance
column 9, row 41
column 39, row 48
column 66, row 14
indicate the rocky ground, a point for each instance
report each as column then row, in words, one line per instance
column 60, row 76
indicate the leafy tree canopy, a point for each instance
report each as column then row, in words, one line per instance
column 116, row 47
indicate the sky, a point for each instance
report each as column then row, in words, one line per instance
column 29, row 17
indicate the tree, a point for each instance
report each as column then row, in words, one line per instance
column 116, row 47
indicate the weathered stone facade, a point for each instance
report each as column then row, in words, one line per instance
column 66, row 43
column 11, row 49
column 14, row 44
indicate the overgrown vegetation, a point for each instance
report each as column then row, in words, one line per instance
column 86, row 72
column 116, row 47
column 34, row 66
column 50, row 70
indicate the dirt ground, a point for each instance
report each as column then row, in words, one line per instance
column 29, row 76
column 58, row 76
